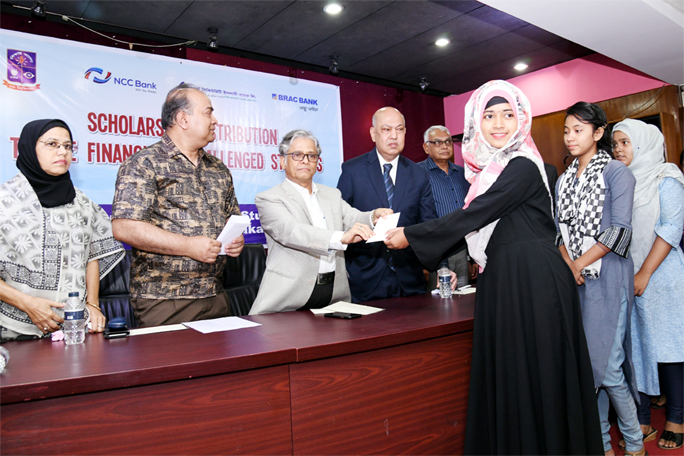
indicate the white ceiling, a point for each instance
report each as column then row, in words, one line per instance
column 647, row 35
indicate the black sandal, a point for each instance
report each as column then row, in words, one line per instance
column 655, row 406
column 669, row 436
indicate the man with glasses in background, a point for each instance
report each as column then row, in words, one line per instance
column 308, row 228
column 449, row 188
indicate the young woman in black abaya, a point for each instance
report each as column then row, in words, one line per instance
column 531, row 388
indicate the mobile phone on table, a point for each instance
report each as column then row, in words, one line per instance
column 343, row 315
column 116, row 328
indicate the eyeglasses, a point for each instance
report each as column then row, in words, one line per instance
column 54, row 145
column 439, row 143
column 299, row 156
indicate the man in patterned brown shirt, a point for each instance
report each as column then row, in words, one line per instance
column 172, row 200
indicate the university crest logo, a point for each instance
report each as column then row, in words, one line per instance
column 21, row 71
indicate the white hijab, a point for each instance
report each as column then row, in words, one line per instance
column 649, row 168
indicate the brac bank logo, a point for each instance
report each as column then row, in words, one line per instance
column 294, row 99
column 100, row 72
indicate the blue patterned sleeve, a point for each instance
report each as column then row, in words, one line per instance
column 671, row 221
column 621, row 182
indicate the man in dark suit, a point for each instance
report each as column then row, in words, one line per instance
column 383, row 178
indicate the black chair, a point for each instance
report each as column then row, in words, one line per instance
column 114, row 292
column 242, row 278
column 241, row 281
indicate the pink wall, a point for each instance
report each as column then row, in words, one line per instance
column 593, row 78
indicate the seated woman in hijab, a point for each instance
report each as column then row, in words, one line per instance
column 53, row 239
column 531, row 387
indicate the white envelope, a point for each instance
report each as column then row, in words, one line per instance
column 234, row 228
column 383, row 226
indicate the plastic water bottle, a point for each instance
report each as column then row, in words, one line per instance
column 74, row 320
column 444, row 282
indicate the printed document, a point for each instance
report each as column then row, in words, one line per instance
column 348, row 307
column 220, row 324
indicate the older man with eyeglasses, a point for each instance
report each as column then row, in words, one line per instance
column 308, row 227
column 449, row 189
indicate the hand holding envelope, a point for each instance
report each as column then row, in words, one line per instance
column 384, row 225
column 234, row 228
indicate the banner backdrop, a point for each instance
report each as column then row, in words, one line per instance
column 111, row 99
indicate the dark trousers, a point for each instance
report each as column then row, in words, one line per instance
column 321, row 294
column 388, row 287
column 155, row 312
column 672, row 386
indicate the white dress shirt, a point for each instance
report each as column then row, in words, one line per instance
column 394, row 163
column 327, row 263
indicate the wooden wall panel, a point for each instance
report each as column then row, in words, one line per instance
column 410, row 399
column 238, row 413
column 547, row 130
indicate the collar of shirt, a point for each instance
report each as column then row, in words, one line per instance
column 172, row 150
column 394, row 163
column 304, row 191
column 432, row 165
column 312, row 203
column 315, row 209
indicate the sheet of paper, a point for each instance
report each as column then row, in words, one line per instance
column 347, row 307
column 383, row 226
column 462, row 291
column 465, row 291
column 234, row 228
column 156, row 329
column 220, row 324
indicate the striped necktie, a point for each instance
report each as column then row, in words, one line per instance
column 389, row 185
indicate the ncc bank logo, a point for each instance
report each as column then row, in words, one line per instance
column 99, row 77
column 100, row 72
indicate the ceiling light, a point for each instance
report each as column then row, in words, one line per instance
column 212, row 44
column 423, row 84
column 333, row 8
column 520, row 66
column 442, row 42
column 38, row 9
column 334, row 66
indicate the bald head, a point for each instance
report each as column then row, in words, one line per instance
column 388, row 132
column 384, row 110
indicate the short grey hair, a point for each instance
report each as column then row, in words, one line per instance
column 284, row 145
column 375, row 120
column 176, row 101
column 426, row 135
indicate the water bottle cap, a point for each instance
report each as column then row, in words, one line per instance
column 73, row 293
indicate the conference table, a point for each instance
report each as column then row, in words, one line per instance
column 394, row 382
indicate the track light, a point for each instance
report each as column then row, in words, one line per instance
column 334, row 66
column 38, row 10
column 212, row 44
column 423, row 84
